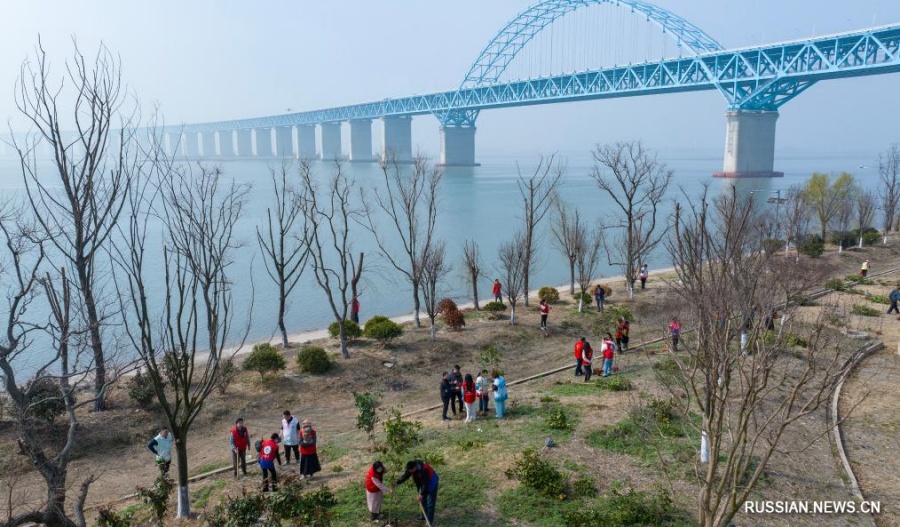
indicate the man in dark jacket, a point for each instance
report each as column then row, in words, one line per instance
column 456, row 379
column 426, row 480
column 894, row 298
column 447, row 394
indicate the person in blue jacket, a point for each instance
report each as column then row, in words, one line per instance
column 426, row 480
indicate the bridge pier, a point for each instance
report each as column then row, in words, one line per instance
column 284, row 141
column 749, row 144
column 192, row 145
column 361, row 141
column 245, row 142
column 263, row 142
column 458, row 146
column 306, row 141
column 208, row 144
column 226, row 143
column 397, row 139
column 331, row 141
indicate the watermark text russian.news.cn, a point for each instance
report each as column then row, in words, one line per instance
column 811, row 507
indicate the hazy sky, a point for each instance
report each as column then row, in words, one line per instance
column 204, row 60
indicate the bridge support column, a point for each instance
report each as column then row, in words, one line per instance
column 244, row 143
column 192, row 145
column 361, row 141
column 284, row 141
column 458, row 146
column 263, row 142
column 306, row 141
column 331, row 141
column 226, row 143
column 209, row 144
column 397, row 140
column 750, row 144
column 171, row 144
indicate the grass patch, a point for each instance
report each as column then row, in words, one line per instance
column 532, row 508
column 331, row 451
column 864, row 311
column 572, row 390
column 614, row 383
column 878, row 299
column 209, row 467
column 201, row 497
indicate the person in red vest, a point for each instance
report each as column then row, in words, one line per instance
column 609, row 353
column 622, row 330
column 545, row 311
column 240, row 441
column 268, row 452
column 674, row 332
column 309, row 458
column 427, row 482
column 587, row 357
column 497, row 289
column 579, row 350
column 354, row 310
column 470, row 393
column 375, row 489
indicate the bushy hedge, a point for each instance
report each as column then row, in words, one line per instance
column 811, row 245
column 550, row 294
column 140, row 390
column 494, row 308
column 772, row 245
column 351, row 330
column 384, row 330
column 264, row 359
column 537, row 473
column 446, row 305
column 46, row 399
column 314, row 360
column 586, row 298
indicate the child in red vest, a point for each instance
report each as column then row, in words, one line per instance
column 587, row 357
column 309, row 458
column 545, row 311
column 609, row 353
column 268, row 453
column 240, row 440
column 375, row 489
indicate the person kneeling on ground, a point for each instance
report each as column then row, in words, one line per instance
column 268, row 453
column 375, row 489
column 426, row 480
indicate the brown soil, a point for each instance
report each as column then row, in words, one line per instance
column 111, row 444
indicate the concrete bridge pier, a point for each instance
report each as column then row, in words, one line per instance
column 245, row 143
column 226, row 143
column 749, row 144
column 284, row 141
column 192, row 145
column 331, row 141
column 306, row 141
column 397, row 139
column 263, row 142
column 361, row 141
column 208, row 144
column 171, row 144
column 458, row 146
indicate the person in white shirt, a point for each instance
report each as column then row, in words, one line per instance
column 290, row 435
column 161, row 446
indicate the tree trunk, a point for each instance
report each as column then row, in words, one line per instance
column 580, row 302
column 84, row 283
column 475, row 291
column 525, row 282
column 572, row 277
column 512, row 314
column 416, row 305
column 282, row 307
column 184, row 493
column 344, row 353
column 433, row 336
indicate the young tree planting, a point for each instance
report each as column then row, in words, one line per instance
column 636, row 182
column 513, row 259
column 538, row 192
column 435, row 269
column 568, row 236
column 889, row 189
column 473, row 266
column 866, row 203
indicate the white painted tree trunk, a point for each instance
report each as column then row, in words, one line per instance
column 512, row 315
column 184, row 502
column 860, row 242
column 580, row 303
column 433, row 335
column 704, row 447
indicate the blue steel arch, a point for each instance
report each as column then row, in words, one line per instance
column 518, row 32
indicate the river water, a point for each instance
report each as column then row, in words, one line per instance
column 479, row 203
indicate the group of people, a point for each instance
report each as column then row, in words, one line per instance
column 424, row 477
column 464, row 391
column 584, row 357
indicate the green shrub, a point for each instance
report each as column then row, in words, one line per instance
column 289, row 504
column 446, row 305
column 377, row 319
column 351, row 330
column 494, row 307
column 584, row 487
column 614, row 383
column 490, row 358
column 772, row 245
column 435, row 458
column 45, row 399
column 803, row 300
column 550, row 294
column 384, row 330
column 454, row 320
column 314, row 360
column 586, row 298
column 536, row 473
column 843, row 238
column 836, row 284
column 141, row 391
column 227, row 372
column 856, row 279
column 107, row 517
column 871, row 237
column 401, row 435
column 878, row 299
column 557, row 419
column 264, row 359
column 634, row 508
column 796, row 340
column 157, row 496
column 864, row 311
column 811, row 245
column 366, row 404
column 241, row 511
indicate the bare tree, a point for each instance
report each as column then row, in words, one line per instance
column 285, row 252
column 843, row 217
column 538, row 192
column 748, row 402
column 410, row 201
column 472, row 264
column 513, row 260
column 586, row 262
column 636, row 182
column 435, row 269
column 61, row 364
column 329, row 215
column 865, row 211
column 568, row 236
column 79, row 207
column 889, row 174
column 798, row 214
column 181, row 330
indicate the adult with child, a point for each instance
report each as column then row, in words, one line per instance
column 161, row 446
column 483, row 385
column 240, row 441
column 375, row 489
column 427, row 482
column 290, row 436
column 622, row 330
column 500, row 393
column 268, row 453
column 309, row 457
column 470, row 394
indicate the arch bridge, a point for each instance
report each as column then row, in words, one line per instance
column 755, row 82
